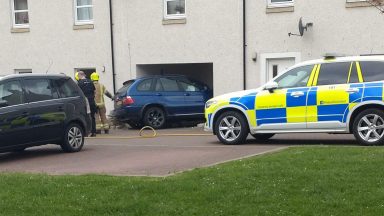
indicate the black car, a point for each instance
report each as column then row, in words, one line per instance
column 42, row 109
column 155, row 100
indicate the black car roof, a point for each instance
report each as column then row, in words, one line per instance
column 30, row 75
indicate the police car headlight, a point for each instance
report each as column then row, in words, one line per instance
column 210, row 103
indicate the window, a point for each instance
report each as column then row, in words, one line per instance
column 280, row 3
column 372, row 71
column 189, row 86
column 334, row 73
column 169, row 84
column 11, row 93
column 174, row 9
column 67, row 88
column 297, row 77
column 23, row 71
column 83, row 12
column 145, row 85
column 39, row 90
column 20, row 15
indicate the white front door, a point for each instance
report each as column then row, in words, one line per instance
column 277, row 66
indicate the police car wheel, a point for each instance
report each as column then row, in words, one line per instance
column 368, row 127
column 262, row 137
column 154, row 117
column 231, row 128
column 73, row 138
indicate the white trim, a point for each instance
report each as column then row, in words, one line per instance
column 174, row 16
column 13, row 11
column 268, row 56
column 280, row 4
column 82, row 22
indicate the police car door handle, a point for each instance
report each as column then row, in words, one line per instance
column 352, row 90
column 297, row 94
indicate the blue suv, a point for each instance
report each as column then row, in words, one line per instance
column 153, row 101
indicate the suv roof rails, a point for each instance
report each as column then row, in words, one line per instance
column 374, row 54
column 328, row 56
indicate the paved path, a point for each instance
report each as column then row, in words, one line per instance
column 115, row 155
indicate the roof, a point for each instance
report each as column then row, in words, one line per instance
column 343, row 59
column 30, row 75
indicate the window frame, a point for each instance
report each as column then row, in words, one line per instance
column 14, row 11
column 27, row 92
column 174, row 16
column 280, row 4
column 23, row 95
column 82, row 22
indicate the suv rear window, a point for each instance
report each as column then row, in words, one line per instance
column 123, row 90
column 67, row 88
column 334, row 73
column 372, row 70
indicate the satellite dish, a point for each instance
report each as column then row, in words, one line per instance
column 302, row 27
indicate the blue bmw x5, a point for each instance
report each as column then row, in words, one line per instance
column 154, row 101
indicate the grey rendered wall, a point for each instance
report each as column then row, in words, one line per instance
column 351, row 31
column 212, row 33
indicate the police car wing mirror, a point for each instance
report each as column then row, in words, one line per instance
column 3, row 103
column 271, row 86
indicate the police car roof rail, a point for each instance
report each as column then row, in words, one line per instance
column 333, row 55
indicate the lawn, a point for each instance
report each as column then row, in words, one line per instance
column 296, row 181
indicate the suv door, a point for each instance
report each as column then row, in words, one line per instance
column 285, row 108
column 46, row 110
column 172, row 97
column 14, row 123
column 193, row 97
column 335, row 91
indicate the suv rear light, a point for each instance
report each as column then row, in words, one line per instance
column 128, row 100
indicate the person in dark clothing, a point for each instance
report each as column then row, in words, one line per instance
column 88, row 89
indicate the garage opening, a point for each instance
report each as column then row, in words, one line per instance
column 202, row 72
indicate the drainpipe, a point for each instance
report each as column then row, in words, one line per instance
column 112, row 46
column 244, row 48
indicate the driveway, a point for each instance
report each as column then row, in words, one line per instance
column 121, row 154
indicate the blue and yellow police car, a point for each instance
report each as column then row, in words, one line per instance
column 330, row 95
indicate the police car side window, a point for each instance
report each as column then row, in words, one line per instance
column 333, row 73
column 11, row 93
column 353, row 78
column 38, row 90
column 372, row 71
column 297, row 77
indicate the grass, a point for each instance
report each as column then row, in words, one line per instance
column 297, row 181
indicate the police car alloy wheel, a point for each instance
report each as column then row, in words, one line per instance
column 73, row 138
column 231, row 128
column 368, row 127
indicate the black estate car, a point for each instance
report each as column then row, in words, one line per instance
column 42, row 109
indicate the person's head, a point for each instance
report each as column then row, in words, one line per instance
column 82, row 75
column 77, row 76
column 95, row 76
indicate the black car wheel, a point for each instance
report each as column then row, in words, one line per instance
column 73, row 138
column 368, row 127
column 231, row 128
column 155, row 117
column 262, row 137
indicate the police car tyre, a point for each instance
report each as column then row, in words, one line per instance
column 368, row 127
column 231, row 128
column 73, row 138
column 155, row 117
column 262, row 137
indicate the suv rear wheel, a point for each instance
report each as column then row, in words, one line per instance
column 231, row 128
column 154, row 117
column 368, row 127
column 73, row 138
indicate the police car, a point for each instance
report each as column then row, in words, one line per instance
column 330, row 95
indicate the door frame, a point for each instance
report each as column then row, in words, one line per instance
column 265, row 57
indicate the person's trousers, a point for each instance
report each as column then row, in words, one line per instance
column 93, row 107
column 101, row 119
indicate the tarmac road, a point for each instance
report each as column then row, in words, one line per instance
column 118, row 154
